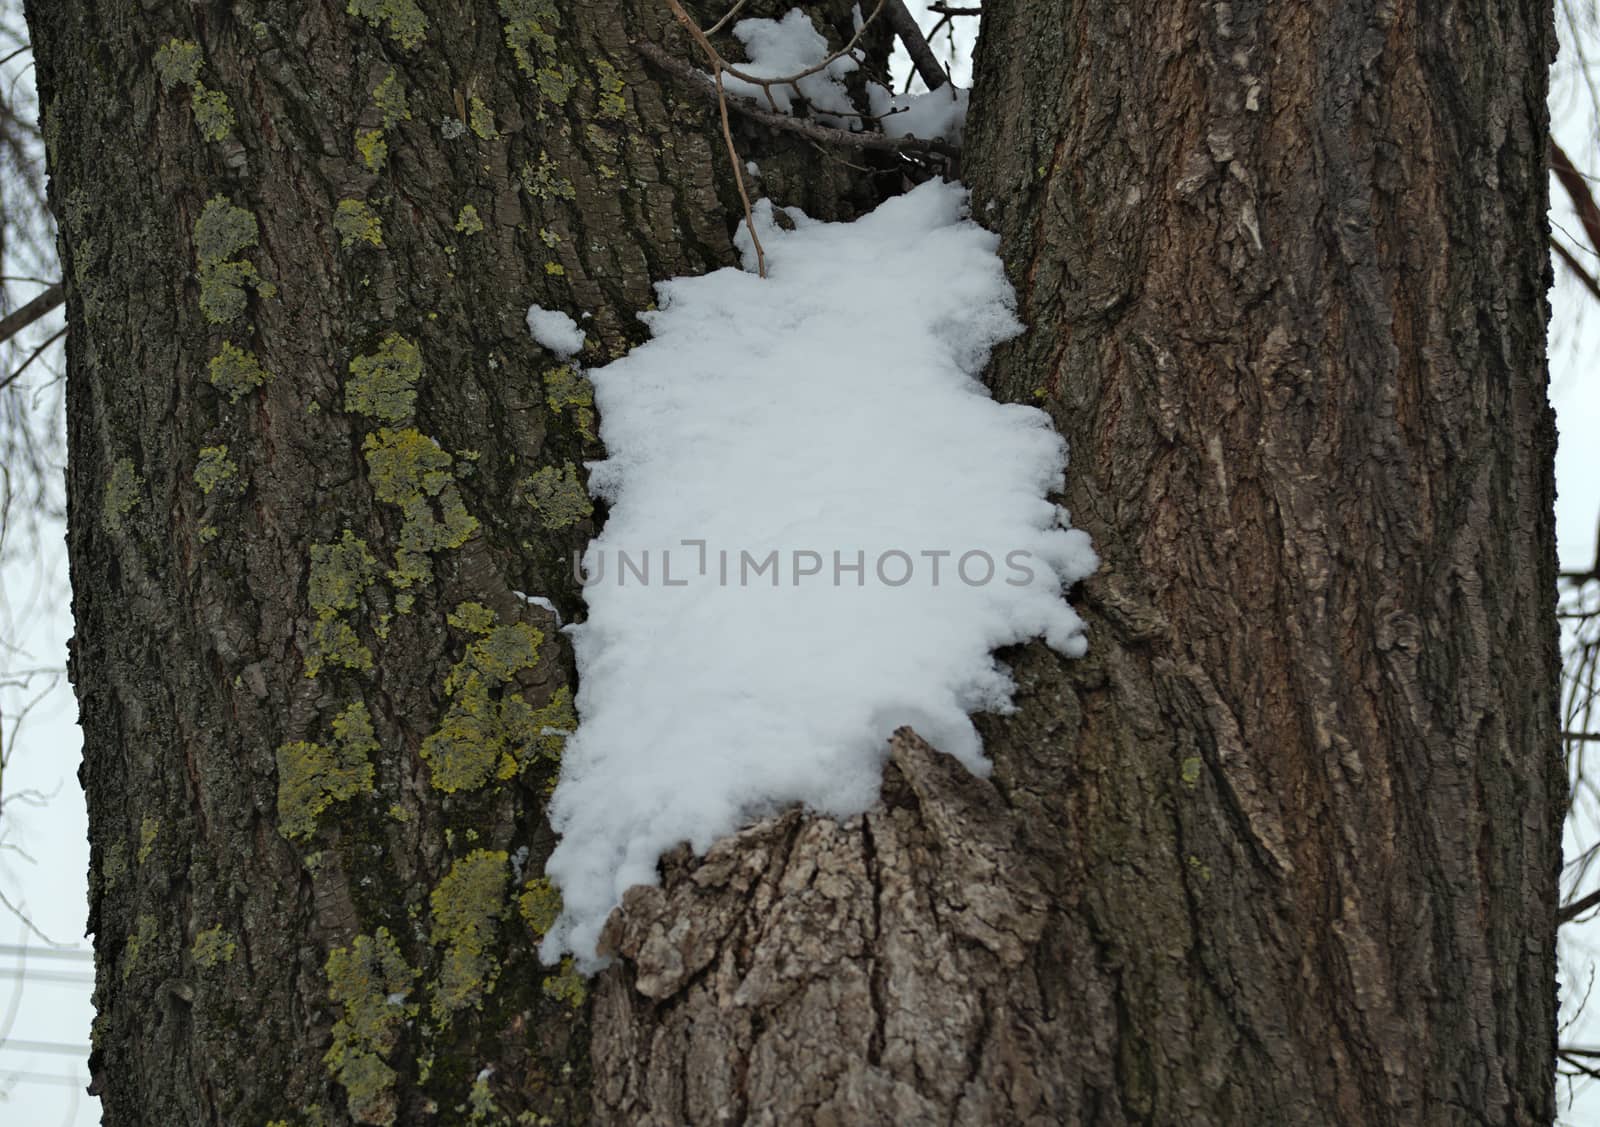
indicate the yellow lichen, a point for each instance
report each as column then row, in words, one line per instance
column 178, row 63
column 557, row 496
column 466, row 907
column 221, row 232
column 481, row 120
column 215, row 469
column 212, row 113
column 340, row 572
column 369, row 981
column 374, row 150
column 235, row 371
column 334, row 642
column 610, row 87
column 467, row 222
column 567, row 985
column 411, row 470
column 143, row 936
column 566, row 388
column 545, row 183
column 555, row 82
column 312, row 777
column 122, row 494
column 530, row 30
column 490, row 730
column 213, row 946
column 149, row 827
column 383, row 384
column 407, row 24
column 357, row 223
column 390, row 98
column 540, row 904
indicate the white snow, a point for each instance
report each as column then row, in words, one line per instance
column 830, row 414
column 779, row 48
column 556, row 331
column 943, row 113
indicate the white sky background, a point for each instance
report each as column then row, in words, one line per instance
column 50, row 880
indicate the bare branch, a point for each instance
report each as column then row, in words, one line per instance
column 880, row 142
column 13, row 324
column 922, row 57
column 1578, row 190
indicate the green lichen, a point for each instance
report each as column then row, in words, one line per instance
column 555, row 83
column 143, row 936
column 213, row 946
column 567, row 388
column 407, row 24
column 149, row 827
column 530, row 30
column 481, row 120
column 411, row 470
column 114, row 865
column 490, row 731
column 390, row 98
column 383, row 384
column 374, row 150
column 335, row 642
column 221, row 232
column 215, row 469
column 340, row 572
column 468, row 222
column 212, row 113
column 480, row 1102
column 540, row 905
column 466, row 907
column 548, row 237
column 567, row 985
column 178, row 63
column 598, row 138
column 1190, row 771
column 555, row 269
column 209, row 532
column 369, row 981
column 312, row 777
column 236, row 372
column 122, row 494
column 557, row 496
column 357, row 223
column 545, row 182
column 609, row 85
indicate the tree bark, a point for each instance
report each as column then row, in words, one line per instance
column 314, row 456
column 1282, row 849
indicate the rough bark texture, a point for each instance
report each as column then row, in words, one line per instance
column 315, row 711
column 1283, row 849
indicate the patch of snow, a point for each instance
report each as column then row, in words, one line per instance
column 826, row 423
column 779, row 48
column 555, row 330
column 942, row 113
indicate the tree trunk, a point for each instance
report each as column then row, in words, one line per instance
column 314, row 456
column 1282, row 849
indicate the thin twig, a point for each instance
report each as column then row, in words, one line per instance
column 1582, row 201
column 727, row 132
column 947, row 11
column 32, row 356
column 922, row 57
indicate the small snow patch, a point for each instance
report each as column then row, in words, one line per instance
column 821, row 528
column 556, row 331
